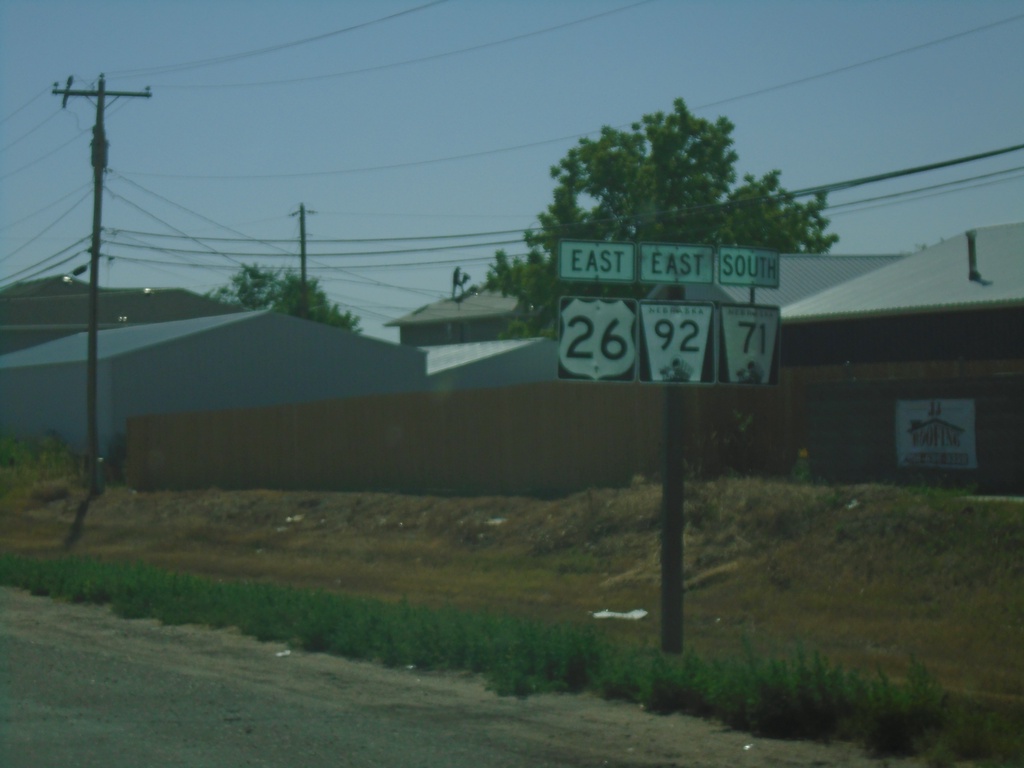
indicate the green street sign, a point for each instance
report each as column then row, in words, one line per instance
column 676, row 263
column 748, row 267
column 596, row 261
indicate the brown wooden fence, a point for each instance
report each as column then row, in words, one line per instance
column 536, row 439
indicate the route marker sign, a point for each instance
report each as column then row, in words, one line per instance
column 677, row 342
column 748, row 267
column 596, row 261
column 597, row 339
column 750, row 344
column 676, row 263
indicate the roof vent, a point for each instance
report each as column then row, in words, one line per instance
column 972, row 259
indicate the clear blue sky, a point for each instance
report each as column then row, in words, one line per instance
column 445, row 119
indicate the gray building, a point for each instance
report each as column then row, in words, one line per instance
column 39, row 311
column 962, row 299
column 470, row 317
column 242, row 360
column 485, row 364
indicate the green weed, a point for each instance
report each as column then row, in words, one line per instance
column 42, row 468
column 799, row 697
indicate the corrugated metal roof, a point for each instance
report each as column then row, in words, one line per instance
column 805, row 274
column 118, row 341
column 800, row 275
column 445, row 356
column 933, row 279
column 471, row 306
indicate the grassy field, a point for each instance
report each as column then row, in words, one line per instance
column 873, row 578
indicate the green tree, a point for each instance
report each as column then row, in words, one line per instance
column 255, row 288
column 670, row 178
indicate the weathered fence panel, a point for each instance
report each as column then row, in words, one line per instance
column 539, row 438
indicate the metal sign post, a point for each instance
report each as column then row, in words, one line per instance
column 672, row 520
column 670, row 342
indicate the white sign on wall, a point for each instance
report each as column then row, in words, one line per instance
column 936, row 434
column 677, row 342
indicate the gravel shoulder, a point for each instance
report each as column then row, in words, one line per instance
column 81, row 687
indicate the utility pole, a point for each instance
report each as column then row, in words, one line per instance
column 304, row 296
column 99, row 165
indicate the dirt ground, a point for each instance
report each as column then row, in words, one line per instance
column 81, row 687
column 848, row 569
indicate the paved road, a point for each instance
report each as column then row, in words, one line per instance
column 80, row 687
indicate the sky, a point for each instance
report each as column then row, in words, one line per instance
column 419, row 134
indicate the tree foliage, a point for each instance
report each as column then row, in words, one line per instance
column 669, row 178
column 255, row 288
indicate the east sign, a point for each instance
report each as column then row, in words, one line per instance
column 596, row 261
column 676, row 263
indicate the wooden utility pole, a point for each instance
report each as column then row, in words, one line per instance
column 304, row 296
column 99, row 165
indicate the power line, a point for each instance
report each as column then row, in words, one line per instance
column 317, row 268
column 269, row 49
column 576, row 136
column 44, row 208
column 198, row 215
column 50, row 226
column 40, row 159
column 30, row 131
column 836, row 186
column 39, row 264
column 321, row 240
column 349, row 254
column 915, row 194
column 864, row 63
column 806, row 192
column 169, row 226
column 419, row 60
column 28, row 103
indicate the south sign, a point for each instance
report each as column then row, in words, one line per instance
column 596, row 261
column 748, row 267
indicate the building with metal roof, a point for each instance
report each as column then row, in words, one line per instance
column 470, row 317
column 43, row 310
column 951, row 276
column 962, row 299
column 241, row 360
column 800, row 275
column 485, row 364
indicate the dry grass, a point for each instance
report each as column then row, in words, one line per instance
column 871, row 576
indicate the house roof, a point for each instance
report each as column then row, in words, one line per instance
column 446, row 356
column 930, row 280
column 800, row 275
column 61, row 285
column 48, row 305
column 805, row 274
column 118, row 341
column 470, row 306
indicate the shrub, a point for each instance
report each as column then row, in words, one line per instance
column 800, row 697
column 896, row 717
